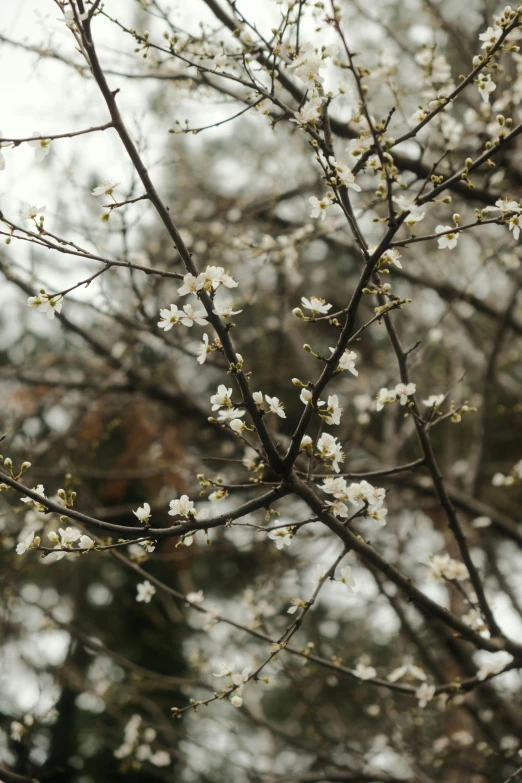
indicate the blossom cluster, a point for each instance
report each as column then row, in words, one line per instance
column 366, row 499
column 137, row 742
column 399, row 394
column 63, row 542
column 443, row 566
column 209, row 281
column 327, row 449
column 513, row 477
column 239, row 679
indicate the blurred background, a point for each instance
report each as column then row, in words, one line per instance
column 102, row 402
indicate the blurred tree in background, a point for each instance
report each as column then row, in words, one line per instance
column 262, row 590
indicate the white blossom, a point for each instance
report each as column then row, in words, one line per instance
column 282, row 537
column 344, row 173
column 31, row 212
column 378, row 515
column 408, row 668
column 195, row 598
column 191, row 284
column 222, row 398
column 69, row 536
column 169, row 317
column 130, row 734
column 418, row 115
column 367, row 499
column 203, row 350
column 404, row 390
column 306, row 396
column 229, row 415
column 414, row 216
column 463, row 738
column 384, row 396
column 145, row 591
column 306, row 442
column 296, row 603
column 391, row 256
column 182, row 506
column 28, row 543
column 309, row 111
column 143, row 513
column 335, row 486
column 514, row 225
column 404, row 203
column 329, row 449
column 39, row 489
column 440, row 69
column 347, row 361
column 307, row 65
column 275, row 406
column 365, row 672
column 337, row 508
column 46, row 304
column 193, row 315
column 319, row 207
column 333, row 411
column 318, row 574
column 17, row 730
column 490, row 37
column 474, row 620
column 225, row 309
column 504, row 205
column 224, row 671
column 316, row 305
column 424, row 694
column 445, row 566
column 485, row 86
column 105, row 188
column 70, row 19
column 347, row 578
column 496, row 663
column 434, row 400
column 447, row 240
column 239, row 678
column 237, row 425
column 214, row 276
column 85, row 542
column 510, row 743
column 41, row 147
column 160, row 758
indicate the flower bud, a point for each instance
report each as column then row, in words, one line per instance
column 25, row 466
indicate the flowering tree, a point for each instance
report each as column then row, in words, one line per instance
column 312, row 369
